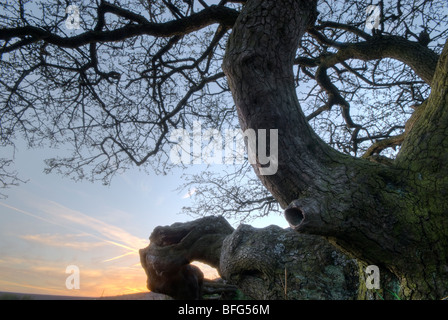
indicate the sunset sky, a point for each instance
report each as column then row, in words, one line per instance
column 52, row 222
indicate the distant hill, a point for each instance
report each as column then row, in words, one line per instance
column 30, row 296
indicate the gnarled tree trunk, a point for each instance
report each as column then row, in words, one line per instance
column 166, row 260
column 391, row 216
column 267, row 263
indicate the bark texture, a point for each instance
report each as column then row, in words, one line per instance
column 273, row 263
column 393, row 216
column 420, row 58
column 166, row 260
column 267, row 263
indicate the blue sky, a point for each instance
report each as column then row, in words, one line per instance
column 52, row 222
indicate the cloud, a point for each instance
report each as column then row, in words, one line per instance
column 110, row 267
column 104, row 233
column 40, row 270
column 71, row 241
column 98, row 229
column 35, row 275
column 19, row 286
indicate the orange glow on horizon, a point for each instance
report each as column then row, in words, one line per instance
column 98, row 284
column 107, row 256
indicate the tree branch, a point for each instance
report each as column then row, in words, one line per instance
column 420, row 58
column 197, row 21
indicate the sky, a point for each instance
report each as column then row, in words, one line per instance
column 52, row 222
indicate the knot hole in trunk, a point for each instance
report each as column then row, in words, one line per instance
column 294, row 216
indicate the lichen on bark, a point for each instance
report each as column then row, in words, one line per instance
column 390, row 215
column 264, row 263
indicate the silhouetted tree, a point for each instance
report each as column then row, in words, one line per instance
column 361, row 113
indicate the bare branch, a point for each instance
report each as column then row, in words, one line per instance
column 185, row 25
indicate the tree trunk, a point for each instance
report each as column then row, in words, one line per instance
column 268, row 263
column 275, row 264
column 166, row 260
column 390, row 216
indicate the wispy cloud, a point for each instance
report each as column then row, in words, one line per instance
column 34, row 275
column 119, row 257
column 84, row 226
column 72, row 241
column 87, row 234
column 20, row 285
column 100, row 275
column 101, row 230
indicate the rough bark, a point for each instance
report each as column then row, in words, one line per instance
column 267, row 263
column 391, row 216
column 274, row 263
column 166, row 260
column 422, row 159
